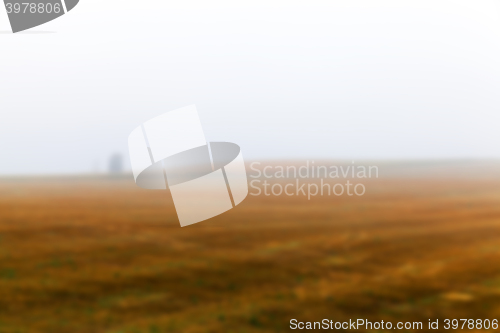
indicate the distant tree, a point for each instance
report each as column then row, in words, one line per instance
column 116, row 163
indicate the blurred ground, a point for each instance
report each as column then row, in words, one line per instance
column 102, row 255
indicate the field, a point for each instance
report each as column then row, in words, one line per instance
column 102, row 255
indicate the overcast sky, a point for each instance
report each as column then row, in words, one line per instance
column 349, row 79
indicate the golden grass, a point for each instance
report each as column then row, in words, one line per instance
column 102, row 255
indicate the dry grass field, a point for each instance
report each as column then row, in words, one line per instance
column 102, row 255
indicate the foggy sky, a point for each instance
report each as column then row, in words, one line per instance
column 322, row 79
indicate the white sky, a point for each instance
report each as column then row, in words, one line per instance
column 347, row 79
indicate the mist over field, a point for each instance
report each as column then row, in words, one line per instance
column 98, row 254
column 369, row 129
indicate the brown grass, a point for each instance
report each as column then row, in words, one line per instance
column 101, row 255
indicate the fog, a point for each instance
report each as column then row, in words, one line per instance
column 284, row 80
